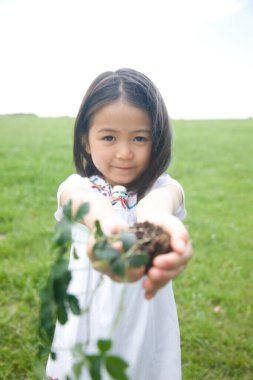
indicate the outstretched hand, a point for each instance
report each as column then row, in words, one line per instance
column 113, row 226
column 166, row 267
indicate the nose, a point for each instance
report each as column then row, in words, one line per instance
column 124, row 152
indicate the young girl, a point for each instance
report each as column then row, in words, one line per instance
column 122, row 148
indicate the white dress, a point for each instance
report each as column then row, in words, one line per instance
column 147, row 334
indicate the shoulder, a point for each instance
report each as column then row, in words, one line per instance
column 164, row 180
column 75, row 180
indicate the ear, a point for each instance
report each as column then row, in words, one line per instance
column 86, row 144
column 87, row 147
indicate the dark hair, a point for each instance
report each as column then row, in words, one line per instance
column 138, row 90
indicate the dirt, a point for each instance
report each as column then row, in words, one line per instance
column 151, row 239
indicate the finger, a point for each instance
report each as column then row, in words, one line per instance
column 152, row 283
column 149, row 295
column 90, row 245
column 158, row 278
column 172, row 260
column 134, row 274
column 118, row 246
column 113, row 227
column 179, row 238
column 116, row 229
column 178, row 233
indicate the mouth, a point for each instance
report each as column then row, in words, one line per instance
column 123, row 168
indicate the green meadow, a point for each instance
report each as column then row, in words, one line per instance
column 213, row 160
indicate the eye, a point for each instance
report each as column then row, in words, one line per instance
column 140, row 139
column 108, row 138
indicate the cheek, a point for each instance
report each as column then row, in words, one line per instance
column 148, row 154
column 100, row 158
column 145, row 158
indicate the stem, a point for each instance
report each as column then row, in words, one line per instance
column 87, row 309
column 119, row 311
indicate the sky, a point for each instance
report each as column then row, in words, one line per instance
column 199, row 53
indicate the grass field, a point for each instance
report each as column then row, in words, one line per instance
column 214, row 163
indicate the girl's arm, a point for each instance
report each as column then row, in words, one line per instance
column 167, row 199
column 100, row 209
column 158, row 207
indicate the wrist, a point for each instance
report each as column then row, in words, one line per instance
column 153, row 216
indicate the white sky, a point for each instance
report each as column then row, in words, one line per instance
column 198, row 52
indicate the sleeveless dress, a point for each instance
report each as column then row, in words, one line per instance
column 147, row 334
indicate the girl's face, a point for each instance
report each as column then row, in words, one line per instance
column 119, row 142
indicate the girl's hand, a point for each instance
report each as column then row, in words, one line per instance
column 168, row 266
column 110, row 227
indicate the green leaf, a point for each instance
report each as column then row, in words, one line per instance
column 59, row 268
column 46, row 318
column 46, row 312
column 62, row 314
column 62, row 233
column 83, row 210
column 74, row 304
column 43, row 351
column 118, row 267
column 94, row 366
column 77, row 369
column 116, row 367
column 99, row 232
column 53, row 355
column 104, row 345
column 101, row 243
column 67, row 211
column 128, row 239
column 106, row 253
column 138, row 260
column 60, row 286
column 45, row 295
column 75, row 254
